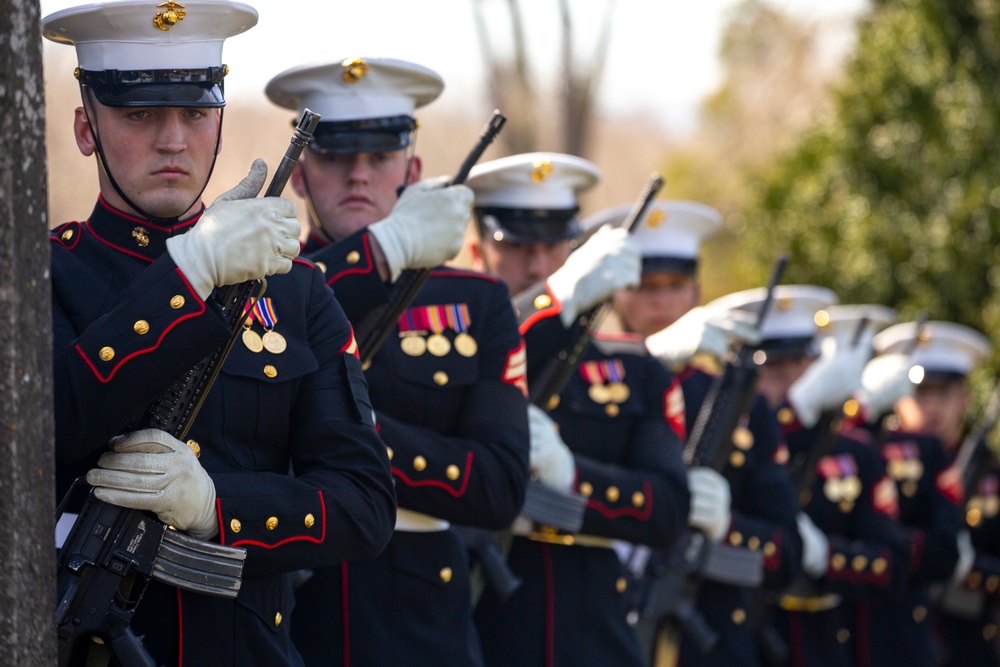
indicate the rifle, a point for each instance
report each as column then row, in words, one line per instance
column 375, row 327
column 803, row 469
column 112, row 552
column 542, row 503
column 672, row 591
column 803, row 466
column 974, row 457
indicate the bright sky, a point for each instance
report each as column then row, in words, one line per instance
column 662, row 58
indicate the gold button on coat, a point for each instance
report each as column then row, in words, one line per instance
column 445, row 574
column 321, row 266
column 739, row 616
column 543, row 301
column 859, row 563
column 67, row 235
column 271, row 523
column 838, row 561
column 919, row 613
column 638, row 499
column 612, row 494
column 277, row 619
column 879, row 565
column 310, row 520
column 235, row 525
column 270, row 371
column 141, row 327
column 389, row 452
column 843, row 635
column 419, row 463
column 106, row 353
column 737, row 459
column 621, row 584
column 586, row 489
column 176, row 301
column 736, row 538
column 440, row 378
column 452, row 472
column 353, row 257
column 786, row 416
column 770, row 549
column 612, row 409
column 195, row 447
column 753, row 542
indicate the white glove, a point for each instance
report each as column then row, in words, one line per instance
column 152, row 470
column 551, row 460
column 426, row 227
column 702, row 330
column 966, row 558
column 609, row 261
column 815, row 547
column 239, row 237
column 829, row 381
column 710, row 502
column 884, row 381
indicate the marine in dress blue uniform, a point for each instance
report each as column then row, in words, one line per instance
column 617, row 447
column 128, row 321
column 762, row 509
column 448, row 388
column 920, row 452
column 850, row 546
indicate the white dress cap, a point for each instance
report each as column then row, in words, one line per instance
column 149, row 35
column 940, row 347
column 841, row 322
column 532, row 181
column 670, row 229
column 356, row 88
column 792, row 315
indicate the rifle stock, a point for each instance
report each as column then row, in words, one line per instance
column 112, row 552
column 671, row 594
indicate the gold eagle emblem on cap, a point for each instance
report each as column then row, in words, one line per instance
column 354, row 70
column 656, row 218
column 171, row 14
column 541, row 170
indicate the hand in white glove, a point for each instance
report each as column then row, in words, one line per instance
column 238, row 238
column 426, row 227
column 710, row 502
column 152, row 470
column 702, row 330
column 829, row 381
column 815, row 547
column 966, row 558
column 884, row 381
column 609, row 261
column 551, row 460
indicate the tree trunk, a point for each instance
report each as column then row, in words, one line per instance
column 27, row 554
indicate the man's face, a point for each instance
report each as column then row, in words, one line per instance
column 351, row 191
column 938, row 408
column 521, row 265
column 778, row 375
column 659, row 301
column 161, row 157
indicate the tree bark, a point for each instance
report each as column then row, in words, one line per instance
column 27, row 556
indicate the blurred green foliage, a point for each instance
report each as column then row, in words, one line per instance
column 895, row 197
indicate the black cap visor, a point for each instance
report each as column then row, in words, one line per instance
column 157, row 88
column 682, row 265
column 370, row 135
column 519, row 225
column 787, row 348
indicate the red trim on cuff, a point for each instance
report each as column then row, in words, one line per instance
column 641, row 515
column 298, row 538
column 457, row 493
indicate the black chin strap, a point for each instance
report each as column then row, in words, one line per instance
column 92, row 121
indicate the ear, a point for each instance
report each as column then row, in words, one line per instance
column 218, row 119
column 416, row 169
column 476, row 253
column 298, row 178
column 83, row 133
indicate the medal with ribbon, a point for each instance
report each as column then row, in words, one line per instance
column 607, row 386
column 251, row 339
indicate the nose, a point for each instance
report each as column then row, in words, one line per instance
column 360, row 168
column 538, row 262
column 170, row 138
